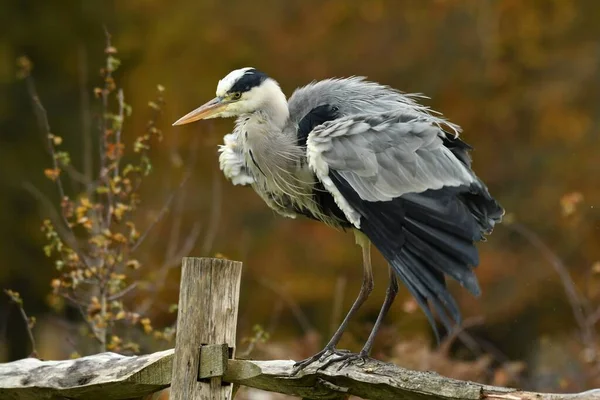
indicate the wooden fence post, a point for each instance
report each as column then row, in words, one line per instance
column 207, row 315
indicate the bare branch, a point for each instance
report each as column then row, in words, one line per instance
column 65, row 232
column 16, row 299
column 175, row 227
column 165, row 208
column 594, row 317
column 76, row 176
column 42, row 119
column 73, row 300
column 175, row 260
column 123, row 292
column 577, row 302
column 186, row 248
column 215, row 215
column 292, row 305
column 90, row 325
column 104, row 168
column 121, row 99
column 459, row 333
column 163, row 211
column 84, row 100
column 102, row 329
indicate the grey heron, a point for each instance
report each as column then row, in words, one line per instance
column 360, row 155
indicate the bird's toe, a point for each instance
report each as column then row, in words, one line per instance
column 320, row 356
column 346, row 359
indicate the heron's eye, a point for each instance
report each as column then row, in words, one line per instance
column 236, row 96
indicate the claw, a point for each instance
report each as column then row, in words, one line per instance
column 321, row 355
column 346, row 359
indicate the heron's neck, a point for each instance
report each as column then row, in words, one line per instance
column 268, row 105
column 267, row 145
column 274, row 106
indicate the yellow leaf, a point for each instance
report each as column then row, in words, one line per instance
column 118, row 237
column 56, row 140
column 133, row 264
column 85, row 202
column 569, row 202
column 52, row 173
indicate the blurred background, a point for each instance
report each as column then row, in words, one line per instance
column 520, row 77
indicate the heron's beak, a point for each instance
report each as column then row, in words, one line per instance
column 205, row 111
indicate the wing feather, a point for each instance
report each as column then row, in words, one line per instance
column 400, row 179
column 385, row 156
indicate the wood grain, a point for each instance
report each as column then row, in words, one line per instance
column 207, row 314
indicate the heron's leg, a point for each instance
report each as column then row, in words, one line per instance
column 390, row 295
column 365, row 289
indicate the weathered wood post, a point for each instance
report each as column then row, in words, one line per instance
column 207, row 316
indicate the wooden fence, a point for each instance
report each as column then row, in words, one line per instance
column 203, row 364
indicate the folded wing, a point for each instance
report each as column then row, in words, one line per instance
column 407, row 184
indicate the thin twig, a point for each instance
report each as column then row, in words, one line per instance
column 86, row 129
column 188, row 246
column 103, row 331
column 171, row 251
column 73, row 299
column 121, row 99
column 275, row 316
column 215, row 214
column 174, row 260
column 456, row 333
column 19, row 303
column 104, row 170
column 44, row 125
column 90, row 324
column 65, row 232
column 123, row 292
column 42, row 119
column 594, row 317
column 167, row 204
column 77, row 176
column 576, row 301
column 292, row 305
column 169, row 263
column 175, row 227
column 163, row 211
column 252, row 344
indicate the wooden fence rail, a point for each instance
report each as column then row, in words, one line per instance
column 202, row 365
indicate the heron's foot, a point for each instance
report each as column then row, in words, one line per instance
column 326, row 352
column 347, row 359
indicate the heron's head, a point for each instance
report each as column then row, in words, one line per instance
column 242, row 91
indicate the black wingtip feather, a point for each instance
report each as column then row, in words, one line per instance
column 445, row 264
column 424, row 237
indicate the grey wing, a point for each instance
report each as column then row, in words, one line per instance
column 401, row 181
column 354, row 96
column 232, row 161
column 383, row 157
